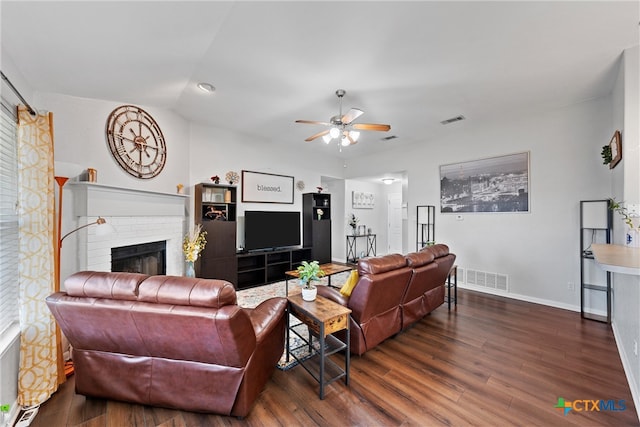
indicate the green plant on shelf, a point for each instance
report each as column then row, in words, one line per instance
column 624, row 212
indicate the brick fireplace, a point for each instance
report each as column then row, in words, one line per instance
column 138, row 217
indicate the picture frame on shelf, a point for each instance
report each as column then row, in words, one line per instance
column 616, row 149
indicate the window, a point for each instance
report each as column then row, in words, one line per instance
column 8, row 217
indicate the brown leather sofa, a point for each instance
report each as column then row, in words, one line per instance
column 167, row 341
column 393, row 292
column 425, row 291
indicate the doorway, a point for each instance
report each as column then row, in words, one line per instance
column 394, row 223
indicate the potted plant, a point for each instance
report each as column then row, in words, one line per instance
column 607, row 157
column 353, row 223
column 192, row 245
column 633, row 235
column 307, row 273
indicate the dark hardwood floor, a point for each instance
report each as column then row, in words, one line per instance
column 490, row 362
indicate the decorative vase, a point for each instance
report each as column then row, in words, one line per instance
column 354, row 231
column 309, row 294
column 190, row 270
column 633, row 239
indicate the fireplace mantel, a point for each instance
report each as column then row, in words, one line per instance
column 92, row 200
column 137, row 216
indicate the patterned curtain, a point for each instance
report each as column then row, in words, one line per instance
column 40, row 364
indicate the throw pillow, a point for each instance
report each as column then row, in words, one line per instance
column 351, row 283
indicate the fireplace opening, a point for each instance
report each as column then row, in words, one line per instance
column 146, row 258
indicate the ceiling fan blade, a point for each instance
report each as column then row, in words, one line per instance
column 351, row 115
column 317, row 135
column 371, row 126
column 313, row 122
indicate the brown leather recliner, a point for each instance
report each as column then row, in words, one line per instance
column 426, row 290
column 375, row 301
column 422, row 281
column 169, row 341
column 444, row 260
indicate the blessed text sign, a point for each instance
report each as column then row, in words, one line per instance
column 261, row 187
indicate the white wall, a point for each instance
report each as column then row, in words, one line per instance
column 375, row 219
column 79, row 139
column 537, row 250
column 16, row 78
column 79, row 126
column 342, row 207
column 625, row 185
column 216, row 151
column 336, row 187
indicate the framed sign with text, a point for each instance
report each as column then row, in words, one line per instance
column 258, row 187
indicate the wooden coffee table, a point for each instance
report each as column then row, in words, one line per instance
column 329, row 270
column 322, row 318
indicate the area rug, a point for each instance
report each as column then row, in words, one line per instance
column 250, row 298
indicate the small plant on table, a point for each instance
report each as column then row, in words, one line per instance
column 307, row 273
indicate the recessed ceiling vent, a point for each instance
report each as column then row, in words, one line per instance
column 453, row 119
column 388, row 138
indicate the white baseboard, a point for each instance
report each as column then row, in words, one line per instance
column 628, row 367
column 626, row 364
column 519, row 297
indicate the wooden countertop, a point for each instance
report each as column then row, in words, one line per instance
column 617, row 258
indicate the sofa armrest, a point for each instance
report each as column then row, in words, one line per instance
column 266, row 316
column 333, row 295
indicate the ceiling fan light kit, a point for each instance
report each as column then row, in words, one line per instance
column 340, row 126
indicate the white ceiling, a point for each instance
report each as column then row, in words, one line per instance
column 408, row 64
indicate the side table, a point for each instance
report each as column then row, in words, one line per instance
column 329, row 270
column 453, row 273
column 322, row 318
column 352, row 247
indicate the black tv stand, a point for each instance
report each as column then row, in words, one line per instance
column 264, row 266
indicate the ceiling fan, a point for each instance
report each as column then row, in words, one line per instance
column 342, row 126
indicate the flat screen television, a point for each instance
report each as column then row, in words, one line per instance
column 271, row 229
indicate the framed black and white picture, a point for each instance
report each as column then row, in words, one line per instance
column 494, row 184
column 258, row 187
column 362, row 200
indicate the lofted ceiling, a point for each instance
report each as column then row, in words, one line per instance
column 409, row 64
